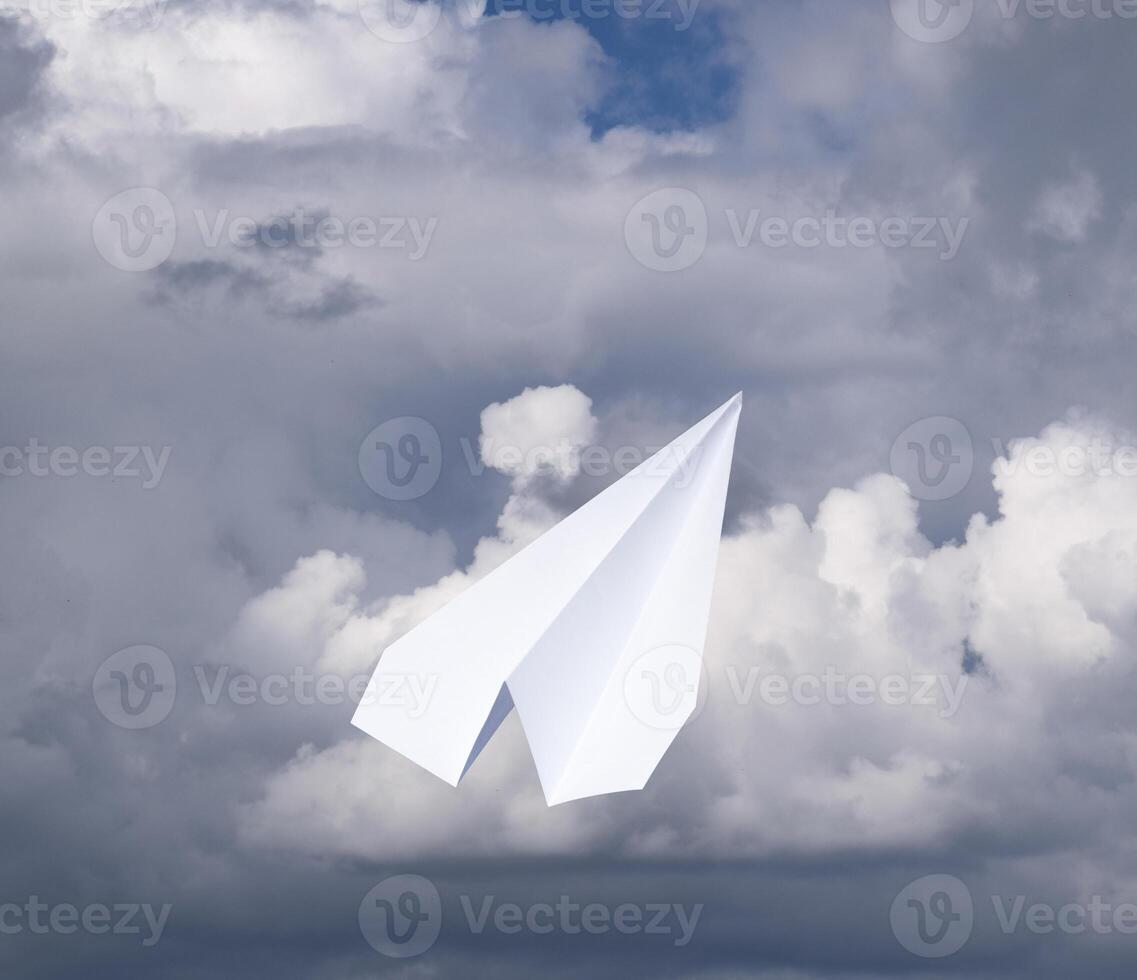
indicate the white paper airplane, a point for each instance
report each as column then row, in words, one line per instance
column 594, row 632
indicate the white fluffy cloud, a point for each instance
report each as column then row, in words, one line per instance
column 165, row 67
column 317, row 618
column 541, row 430
column 1038, row 604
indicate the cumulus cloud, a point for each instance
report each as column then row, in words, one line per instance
column 967, row 657
column 531, row 144
column 25, row 59
column 541, row 430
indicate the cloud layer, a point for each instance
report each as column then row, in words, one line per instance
column 867, row 689
column 330, row 230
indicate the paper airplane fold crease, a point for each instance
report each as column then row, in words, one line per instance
column 594, row 632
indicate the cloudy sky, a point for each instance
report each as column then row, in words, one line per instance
column 249, row 243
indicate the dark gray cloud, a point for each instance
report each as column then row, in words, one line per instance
column 23, row 61
column 264, row 369
column 188, row 283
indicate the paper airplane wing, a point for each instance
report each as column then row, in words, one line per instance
column 578, row 631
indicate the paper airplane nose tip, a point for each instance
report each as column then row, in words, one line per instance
column 568, row 630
